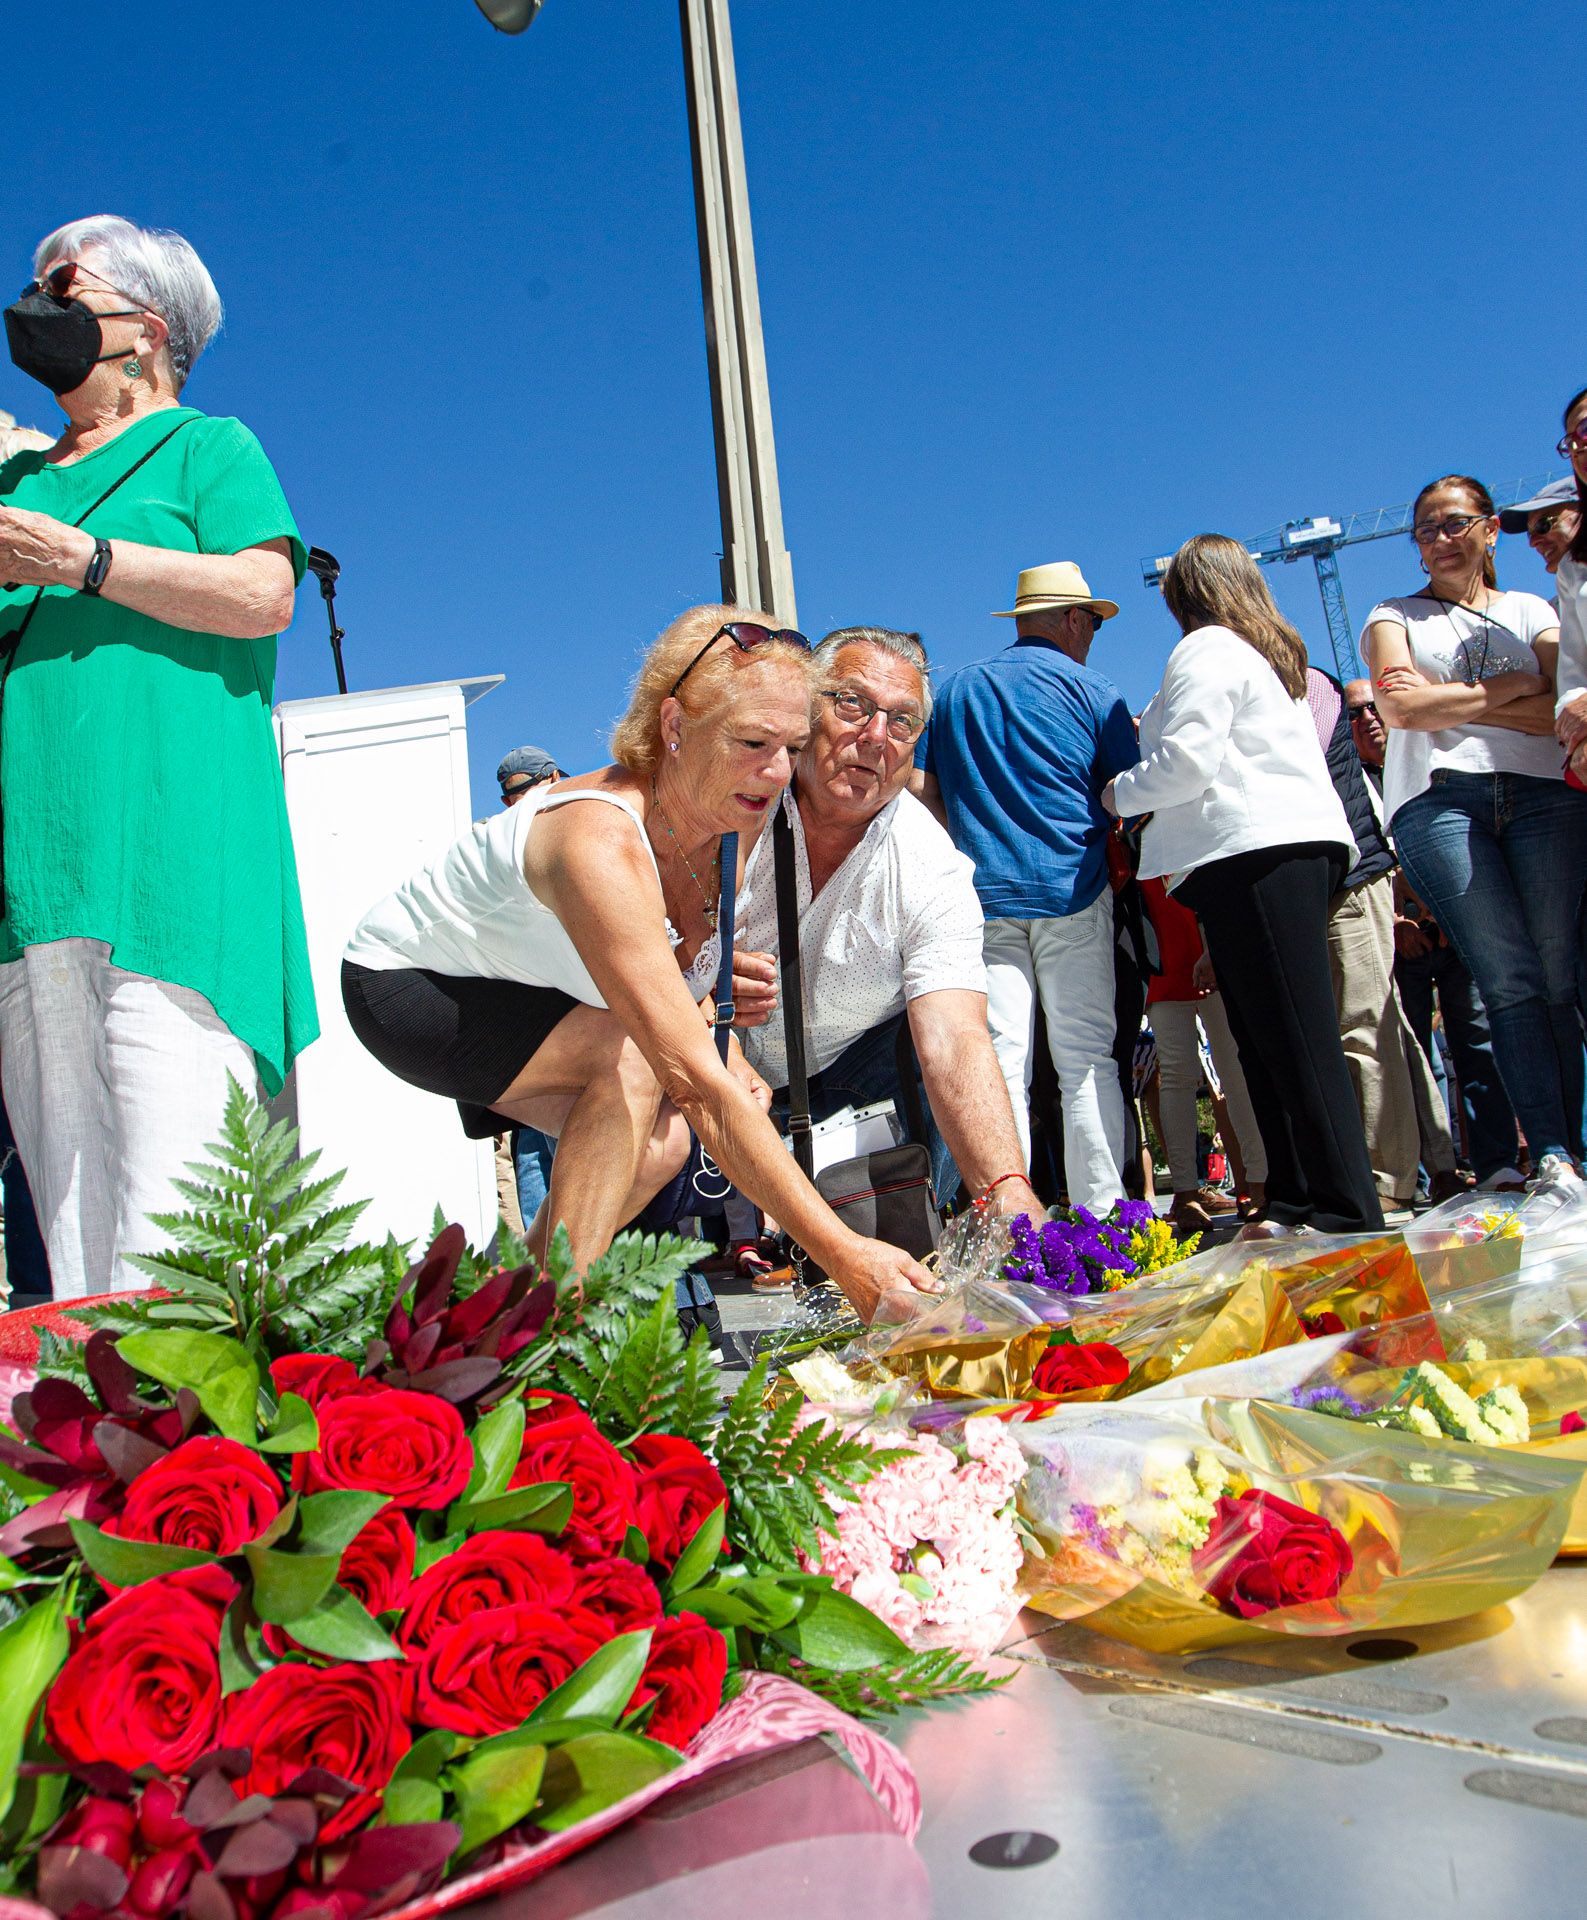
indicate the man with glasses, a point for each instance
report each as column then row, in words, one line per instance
column 889, row 926
column 1550, row 520
column 1016, row 757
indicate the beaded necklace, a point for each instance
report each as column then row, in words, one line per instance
column 706, row 900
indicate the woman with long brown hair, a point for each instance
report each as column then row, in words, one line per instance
column 1487, row 832
column 1249, row 834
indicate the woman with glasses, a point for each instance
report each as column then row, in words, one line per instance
column 1487, row 832
column 1249, row 834
column 549, row 968
column 152, row 939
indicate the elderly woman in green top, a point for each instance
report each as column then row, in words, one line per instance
column 151, row 940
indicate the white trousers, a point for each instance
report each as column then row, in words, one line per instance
column 113, row 1082
column 1179, row 1068
column 1068, row 965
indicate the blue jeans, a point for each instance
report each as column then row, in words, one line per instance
column 867, row 1070
column 1500, row 859
column 531, row 1163
column 1490, row 1124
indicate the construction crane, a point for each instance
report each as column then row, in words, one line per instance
column 1319, row 541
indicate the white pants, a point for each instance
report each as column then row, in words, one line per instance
column 1068, row 965
column 1179, row 1068
column 113, row 1082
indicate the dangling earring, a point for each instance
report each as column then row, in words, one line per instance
column 133, row 368
column 1421, row 561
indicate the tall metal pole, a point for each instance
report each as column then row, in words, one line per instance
column 757, row 570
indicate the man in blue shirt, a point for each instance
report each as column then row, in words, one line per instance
column 1019, row 749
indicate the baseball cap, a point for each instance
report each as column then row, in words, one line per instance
column 534, row 762
column 1558, row 493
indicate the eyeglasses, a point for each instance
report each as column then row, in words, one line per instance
column 1572, row 440
column 1545, row 523
column 61, row 284
column 1094, row 618
column 1427, row 532
column 856, row 709
column 1366, row 706
column 746, row 636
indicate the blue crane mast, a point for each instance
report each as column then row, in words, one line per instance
column 1319, row 541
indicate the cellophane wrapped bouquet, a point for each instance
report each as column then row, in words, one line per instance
column 328, row 1582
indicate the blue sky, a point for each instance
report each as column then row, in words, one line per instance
column 1038, row 283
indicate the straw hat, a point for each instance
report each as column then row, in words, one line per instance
column 1059, row 584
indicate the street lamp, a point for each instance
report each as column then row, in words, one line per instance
column 757, row 570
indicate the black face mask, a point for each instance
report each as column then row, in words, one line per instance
column 57, row 342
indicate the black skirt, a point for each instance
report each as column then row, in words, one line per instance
column 463, row 1038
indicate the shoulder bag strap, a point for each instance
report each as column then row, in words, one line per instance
column 786, row 861
column 727, row 907
column 10, row 642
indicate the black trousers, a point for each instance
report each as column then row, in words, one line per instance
column 1265, row 915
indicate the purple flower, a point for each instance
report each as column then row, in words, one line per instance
column 1326, row 1399
column 1132, row 1216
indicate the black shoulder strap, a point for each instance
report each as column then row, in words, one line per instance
column 727, row 908
column 786, row 861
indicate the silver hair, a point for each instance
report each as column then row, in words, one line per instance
column 903, row 646
column 156, row 267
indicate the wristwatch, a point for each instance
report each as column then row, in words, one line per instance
column 98, row 568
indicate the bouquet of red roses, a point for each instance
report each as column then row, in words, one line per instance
column 296, row 1632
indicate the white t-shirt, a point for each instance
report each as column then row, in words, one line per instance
column 1450, row 643
column 898, row 919
column 471, row 913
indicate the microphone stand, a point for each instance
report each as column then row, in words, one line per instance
column 327, row 569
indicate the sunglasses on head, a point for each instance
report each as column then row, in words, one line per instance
column 746, row 635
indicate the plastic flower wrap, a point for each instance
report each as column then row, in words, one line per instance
column 1191, row 1522
column 930, row 1545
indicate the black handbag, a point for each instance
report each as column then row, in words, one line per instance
column 886, row 1194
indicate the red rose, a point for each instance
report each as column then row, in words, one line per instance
column 377, row 1563
column 678, row 1490
column 685, row 1674
column 567, row 1445
column 490, row 1570
column 1572, row 1423
column 347, row 1719
column 1263, row 1552
column 488, row 1673
column 314, row 1377
column 211, row 1494
column 619, row 1592
column 1076, row 1369
column 142, row 1686
column 410, row 1445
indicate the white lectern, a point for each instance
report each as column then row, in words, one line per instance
column 377, row 785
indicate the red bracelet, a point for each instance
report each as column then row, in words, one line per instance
column 987, row 1191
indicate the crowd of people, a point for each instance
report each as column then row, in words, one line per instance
column 976, row 887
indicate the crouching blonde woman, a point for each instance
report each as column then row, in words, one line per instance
column 550, row 967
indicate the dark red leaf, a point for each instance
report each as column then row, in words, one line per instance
column 125, row 1451
column 114, row 1381
column 301, row 1818
column 436, row 1272
column 380, row 1855
column 456, row 1380
column 207, row 1899
column 211, row 1801
column 70, row 1877
column 261, row 1847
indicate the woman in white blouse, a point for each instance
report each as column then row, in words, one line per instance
column 1249, row 833
column 1488, row 834
column 1571, row 579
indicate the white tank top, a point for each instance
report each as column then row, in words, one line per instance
column 472, row 914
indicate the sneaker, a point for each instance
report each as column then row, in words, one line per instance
column 1557, row 1179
